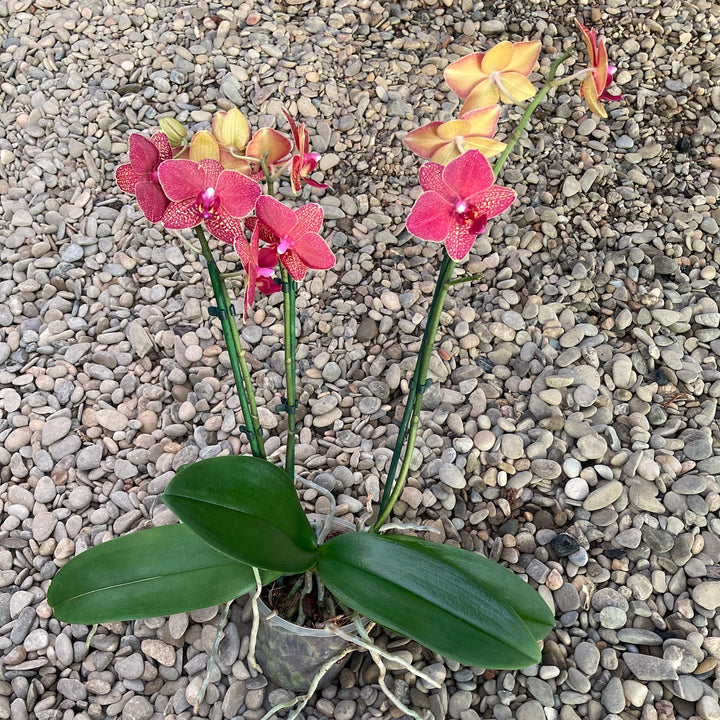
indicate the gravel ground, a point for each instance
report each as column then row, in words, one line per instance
column 572, row 432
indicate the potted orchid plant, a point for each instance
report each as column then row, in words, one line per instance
column 242, row 524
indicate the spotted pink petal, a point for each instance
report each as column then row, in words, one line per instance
column 152, row 200
column 242, row 248
column 182, row 214
column 266, row 234
column 161, row 141
column 294, row 265
column 430, row 217
column 182, row 179
column 468, row 174
column 459, row 240
column 224, row 226
column 493, row 201
column 279, row 218
column 313, row 251
column 431, row 178
column 308, row 218
column 237, row 192
column 144, row 156
column 212, row 169
column 126, row 178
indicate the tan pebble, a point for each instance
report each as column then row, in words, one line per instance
column 43, row 610
column 64, row 549
column 484, row 440
column 554, row 580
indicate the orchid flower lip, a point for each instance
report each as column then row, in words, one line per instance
column 496, row 77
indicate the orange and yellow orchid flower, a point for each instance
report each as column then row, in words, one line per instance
column 442, row 142
column 501, row 73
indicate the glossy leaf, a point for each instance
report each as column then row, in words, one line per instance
column 247, row 508
column 150, row 573
column 454, row 602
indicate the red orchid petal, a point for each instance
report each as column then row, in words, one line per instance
column 126, row 178
column 315, row 184
column 237, row 192
column 430, row 177
column 224, row 226
column 144, row 156
column 252, row 272
column 313, row 251
column 279, row 218
column 294, row 265
column 267, row 286
column 213, row 170
column 607, row 95
column 181, row 215
column 161, row 141
column 181, row 179
column 152, row 200
column 430, row 217
column 308, row 218
column 493, row 201
column 590, row 38
column 242, row 248
column 468, row 174
column 267, row 257
column 304, row 144
column 293, row 127
column 266, row 234
column 295, row 173
column 459, row 241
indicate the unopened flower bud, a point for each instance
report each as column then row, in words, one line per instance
column 231, row 129
column 174, row 130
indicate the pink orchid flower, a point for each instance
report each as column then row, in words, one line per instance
column 304, row 162
column 260, row 266
column 594, row 86
column 459, row 199
column 139, row 177
column 204, row 192
column 293, row 234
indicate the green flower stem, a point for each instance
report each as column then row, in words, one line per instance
column 411, row 416
column 241, row 373
column 288, row 289
column 550, row 83
column 247, row 380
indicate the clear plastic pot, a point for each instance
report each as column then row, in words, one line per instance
column 291, row 655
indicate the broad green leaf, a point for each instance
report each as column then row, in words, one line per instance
column 151, row 573
column 454, row 602
column 247, row 508
column 496, row 579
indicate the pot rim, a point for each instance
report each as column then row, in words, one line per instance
column 281, row 622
